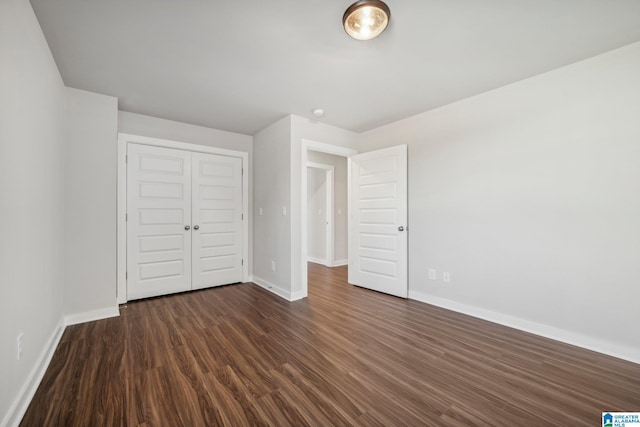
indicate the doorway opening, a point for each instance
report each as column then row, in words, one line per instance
column 322, row 156
column 321, row 216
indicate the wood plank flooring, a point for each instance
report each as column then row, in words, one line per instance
column 239, row 355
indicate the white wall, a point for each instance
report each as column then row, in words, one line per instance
column 90, row 203
column 138, row 124
column 32, row 99
column 277, row 183
column 317, row 215
column 529, row 195
column 272, row 229
column 340, row 194
column 302, row 128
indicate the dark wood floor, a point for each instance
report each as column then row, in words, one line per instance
column 239, row 355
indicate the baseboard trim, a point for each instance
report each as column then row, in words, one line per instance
column 289, row 296
column 337, row 263
column 590, row 343
column 90, row 316
column 274, row 289
column 28, row 390
column 297, row 295
column 318, row 261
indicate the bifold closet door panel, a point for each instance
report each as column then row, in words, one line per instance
column 158, row 221
column 217, row 220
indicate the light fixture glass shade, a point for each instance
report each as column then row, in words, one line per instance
column 366, row 19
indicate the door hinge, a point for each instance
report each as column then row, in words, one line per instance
column 242, row 262
column 126, row 158
column 242, row 217
column 126, row 275
column 126, row 217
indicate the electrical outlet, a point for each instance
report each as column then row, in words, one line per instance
column 273, row 265
column 432, row 274
column 339, row 211
column 19, row 343
column 284, row 211
column 260, row 211
column 446, row 277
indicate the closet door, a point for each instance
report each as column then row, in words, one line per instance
column 158, row 221
column 217, row 220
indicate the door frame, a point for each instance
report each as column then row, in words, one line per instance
column 329, row 178
column 307, row 145
column 121, row 206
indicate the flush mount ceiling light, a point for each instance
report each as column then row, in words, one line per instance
column 366, row 19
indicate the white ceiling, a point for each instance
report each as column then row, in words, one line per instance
column 240, row 65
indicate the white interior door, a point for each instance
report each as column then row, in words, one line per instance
column 217, row 220
column 158, row 214
column 378, row 226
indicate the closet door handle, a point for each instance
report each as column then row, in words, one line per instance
column 196, row 227
column 186, row 227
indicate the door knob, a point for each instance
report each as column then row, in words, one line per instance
column 401, row 228
column 186, row 227
column 196, row 227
